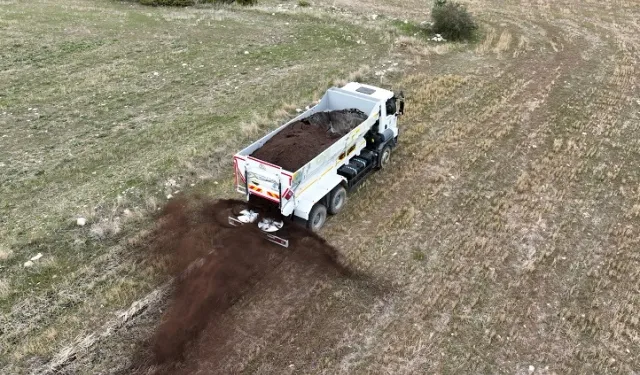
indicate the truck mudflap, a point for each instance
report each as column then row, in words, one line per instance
column 269, row 236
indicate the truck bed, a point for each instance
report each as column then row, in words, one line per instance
column 301, row 141
column 335, row 99
column 285, row 183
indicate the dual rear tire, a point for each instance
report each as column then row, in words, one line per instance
column 338, row 197
column 319, row 212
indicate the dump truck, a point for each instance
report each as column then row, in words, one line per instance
column 311, row 192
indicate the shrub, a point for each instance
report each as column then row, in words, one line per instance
column 304, row 3
column 452, row 20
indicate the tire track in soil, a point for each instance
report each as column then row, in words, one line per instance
column 460, row 127
column 533, row 161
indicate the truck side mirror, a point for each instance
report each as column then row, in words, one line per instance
column 401, row 103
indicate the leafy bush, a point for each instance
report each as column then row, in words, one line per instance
column 452, row 20
column 185, row 3
column 303, row 3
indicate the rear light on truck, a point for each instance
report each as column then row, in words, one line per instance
column 287, row 194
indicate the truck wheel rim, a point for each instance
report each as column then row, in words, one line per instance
column 339, row 201
column 386, row 155
column 318, row 219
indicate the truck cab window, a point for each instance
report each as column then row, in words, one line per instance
column 391, row 107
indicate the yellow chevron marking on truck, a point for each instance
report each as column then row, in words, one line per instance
column 255, row 188
column 273, row 195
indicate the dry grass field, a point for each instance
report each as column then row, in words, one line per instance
column 503, row 240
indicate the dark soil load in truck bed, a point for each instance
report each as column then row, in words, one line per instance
column 301, row 141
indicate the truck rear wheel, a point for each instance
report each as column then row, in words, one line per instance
column 317, row 217
column 385, row 156
column 337, row 199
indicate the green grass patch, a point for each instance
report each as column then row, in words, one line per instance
column 411, row 29
column 418, row 255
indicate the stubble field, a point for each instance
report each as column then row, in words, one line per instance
column 504, row 239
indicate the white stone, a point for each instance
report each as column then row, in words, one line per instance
column 169, row 196
column 28, row 264
column 246, row 52
column 81, row 221
column 156, row 73
column 36, row 257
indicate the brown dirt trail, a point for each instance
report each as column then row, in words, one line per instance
column 214, row 265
